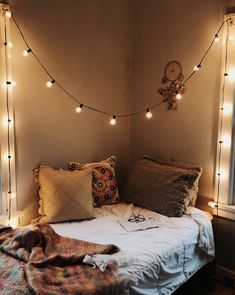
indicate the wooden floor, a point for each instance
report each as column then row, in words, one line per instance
column 203, row 284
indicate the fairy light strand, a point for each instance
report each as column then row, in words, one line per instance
column 8, row 84
column 76, row 100
column 221, row 129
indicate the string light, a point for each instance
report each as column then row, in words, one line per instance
column 10, row 44
column 27, row 52
column 8, row 14
column 227, row 108
column 79, row 109
column 225, row 140
column 197, row 68
column 216, row 38
column 231, row 74
column 178, row 96
column 11, row 83
column 50, row 83
column 148, row 114
column 113, row 121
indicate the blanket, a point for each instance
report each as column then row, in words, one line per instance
column 41, row 262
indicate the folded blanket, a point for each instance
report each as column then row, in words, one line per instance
column 41, row 262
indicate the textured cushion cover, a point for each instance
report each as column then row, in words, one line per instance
column 164, row 189
column 170, row 162
column 104, row 184
column 64, row 195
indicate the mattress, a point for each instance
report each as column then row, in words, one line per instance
column 160, row 259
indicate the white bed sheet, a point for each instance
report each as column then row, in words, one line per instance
column 161, row 258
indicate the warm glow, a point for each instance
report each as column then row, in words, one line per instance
column 196, row 68
column 50, row 83
column 231, row 74
column 227, row 108
column 222, row 173
column 226, row 140
column 13, row 222
column 113, row 121
column 212, row 204
column 216, row 38
column 8, row 13
column 10, row 44
column 178, row 96
column 25, row 53
column 149, row 114
column 78, row 110
column 6, row 122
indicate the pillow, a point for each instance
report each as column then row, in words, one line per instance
column 171, row 162
column 104, row 184
column 64, row 195
column 164, row 189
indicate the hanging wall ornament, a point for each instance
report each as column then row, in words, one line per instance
column 174, row 87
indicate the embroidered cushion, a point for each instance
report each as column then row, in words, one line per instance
column 64, row 195
column 104, row 184
column 164, row 189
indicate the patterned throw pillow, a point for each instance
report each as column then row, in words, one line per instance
column 104, row 184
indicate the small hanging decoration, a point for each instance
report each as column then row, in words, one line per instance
column 174, row 88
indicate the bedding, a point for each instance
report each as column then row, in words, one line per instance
column 41, row 262
column 162, row 188
column 160, row 259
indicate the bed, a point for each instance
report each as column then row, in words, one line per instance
column 157, row 260
column 167, row 241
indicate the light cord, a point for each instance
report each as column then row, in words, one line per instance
column 76, row 100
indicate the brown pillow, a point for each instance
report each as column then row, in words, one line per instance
column 171, row 162
column 164, row 189
column 64, row 195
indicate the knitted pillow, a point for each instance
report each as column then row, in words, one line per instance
column 190, row 167
column 64, row 195
column 164, row 189
column 104, row 184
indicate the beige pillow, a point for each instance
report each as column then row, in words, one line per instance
column 64, row 195
column 164, row 189
column 171, row 162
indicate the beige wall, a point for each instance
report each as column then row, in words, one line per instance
column 85, row 45
column 176, row 30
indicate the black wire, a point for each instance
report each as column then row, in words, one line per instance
column 96, row 109
column 205, row 54
column 8, row 124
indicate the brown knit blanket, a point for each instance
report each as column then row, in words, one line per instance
column 41, row 262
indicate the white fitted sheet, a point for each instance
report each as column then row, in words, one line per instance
column 161, row 258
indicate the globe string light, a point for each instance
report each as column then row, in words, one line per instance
column 77, row 101
column 8, row 85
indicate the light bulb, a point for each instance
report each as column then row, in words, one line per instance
column 7, row 122
column 216, row 38
column 26, row 52
column 178, row 96
column 8, row 14
column 231, row 74
column 148, row 114
column 226, row 140
column 11, row 83
column 50, row 83
column 113, row 121
column 10, row 44
column 227, row 108
column 79, row 109
column 196, row 68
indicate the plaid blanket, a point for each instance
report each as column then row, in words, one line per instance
column 41, row 262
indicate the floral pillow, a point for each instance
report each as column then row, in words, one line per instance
column 104, row 184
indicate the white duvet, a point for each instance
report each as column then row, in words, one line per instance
column 153, row 261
